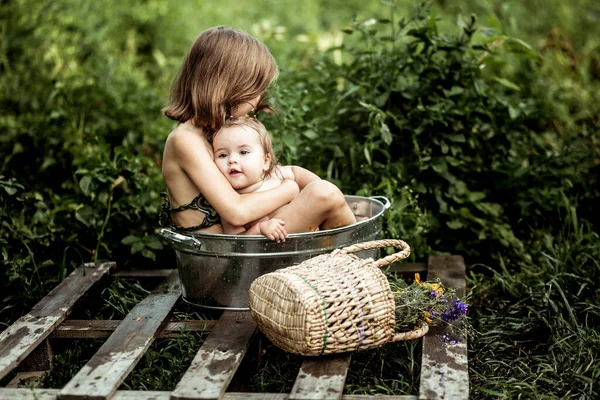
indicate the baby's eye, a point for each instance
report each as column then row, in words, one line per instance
column 244, row 152
column 222, row 155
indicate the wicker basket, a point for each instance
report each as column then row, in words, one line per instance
column 332, row 303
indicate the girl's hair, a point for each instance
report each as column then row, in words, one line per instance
column 223, row 69
column 263, row 134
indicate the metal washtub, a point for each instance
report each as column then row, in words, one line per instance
column 216, row 270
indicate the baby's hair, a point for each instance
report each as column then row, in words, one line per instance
column 223, row 69
column 264, row 137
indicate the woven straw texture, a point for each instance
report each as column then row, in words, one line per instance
column 332, row 303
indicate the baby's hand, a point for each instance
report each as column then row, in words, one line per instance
column 273, row 229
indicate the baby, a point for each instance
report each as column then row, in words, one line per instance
column 244, row 154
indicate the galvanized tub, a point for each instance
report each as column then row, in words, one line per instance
column 216, row 270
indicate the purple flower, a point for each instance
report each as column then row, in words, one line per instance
column 433, row 293
column 460, row 307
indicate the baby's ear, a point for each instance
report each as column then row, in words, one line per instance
column 267, row 163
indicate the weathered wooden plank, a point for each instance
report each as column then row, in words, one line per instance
column 218, row 358
column 143, row 273
column 51, row 394
column 406, row 267
column 444, row 366
column 107, row 369
column 321, row 378
column 19, row 339
column 100, row 329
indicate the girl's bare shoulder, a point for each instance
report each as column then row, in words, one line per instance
column 186, row 138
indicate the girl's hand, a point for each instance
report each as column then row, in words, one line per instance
column 273, row 229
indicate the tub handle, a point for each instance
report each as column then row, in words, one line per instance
column 179, row 238
column 386, row 202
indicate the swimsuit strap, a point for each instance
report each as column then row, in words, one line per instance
column 199, row 203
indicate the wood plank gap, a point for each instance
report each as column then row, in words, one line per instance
column 100, row 329
column 218, row 358
column 321, row 378
column 22, row 337
column 51, row 394
column 106, row 370
column 444, row 367
column 143, row 273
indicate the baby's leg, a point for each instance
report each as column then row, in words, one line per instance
column 319, row 205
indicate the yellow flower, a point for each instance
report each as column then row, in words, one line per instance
column 428, row 319
column 418, row 278
column 435, row 286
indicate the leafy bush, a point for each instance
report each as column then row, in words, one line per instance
column 418, row 110
column 81, row 142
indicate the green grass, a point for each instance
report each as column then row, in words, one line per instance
column 536, row 322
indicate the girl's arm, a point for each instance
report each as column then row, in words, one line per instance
column 303, row 177
column 195, row 160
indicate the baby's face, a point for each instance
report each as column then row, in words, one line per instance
column 239, row 156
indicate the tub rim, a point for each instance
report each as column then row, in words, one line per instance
column 192, row 239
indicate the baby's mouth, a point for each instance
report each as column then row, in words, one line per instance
column 234, row 172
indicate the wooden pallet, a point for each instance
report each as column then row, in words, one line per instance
column 25, row 345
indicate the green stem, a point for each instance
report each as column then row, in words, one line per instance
column 101, row 234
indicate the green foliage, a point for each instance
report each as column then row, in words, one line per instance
column 81, row 140
column 417, row 109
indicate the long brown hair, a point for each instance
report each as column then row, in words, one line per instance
column 223, row 69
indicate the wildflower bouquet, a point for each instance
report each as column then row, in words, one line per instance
column 420, row 302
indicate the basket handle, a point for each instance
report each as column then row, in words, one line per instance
column 410, row 335
column 375, row 244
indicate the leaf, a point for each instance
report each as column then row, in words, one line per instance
column 513, row 113
column 444, row 148
column 386, row 135
column 85, row 215
column 154, row 243
column 149, row 254
column 10, row 190
column 367, row 155
column 310, row 134
column 137, row 246
column 507, row 83
column 454, row 91
column 457, row 138
column 129, row 240
column 84, row 184
column 454, row 224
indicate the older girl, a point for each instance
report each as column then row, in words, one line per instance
column 225, row 74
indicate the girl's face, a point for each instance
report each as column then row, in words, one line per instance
column 246, row 107
column 239, row 155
